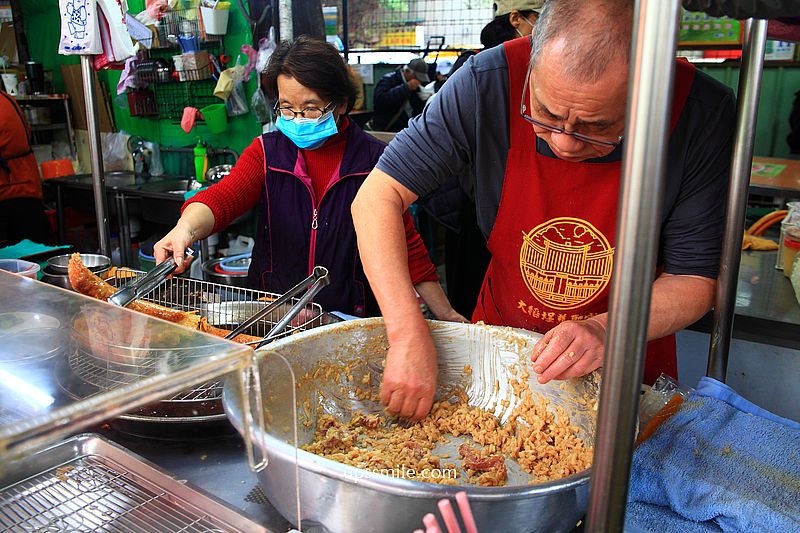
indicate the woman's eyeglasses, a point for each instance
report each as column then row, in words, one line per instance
column 596, row 141
column 311, row 112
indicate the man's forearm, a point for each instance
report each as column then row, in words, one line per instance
column 378, row 219
column 676, row 302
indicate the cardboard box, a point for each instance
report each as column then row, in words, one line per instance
column 74, row 84
column 8, row 42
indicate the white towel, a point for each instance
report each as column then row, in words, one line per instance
column 80, row 34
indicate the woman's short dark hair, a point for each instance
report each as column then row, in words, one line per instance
column 316, row 65
column 500, row 30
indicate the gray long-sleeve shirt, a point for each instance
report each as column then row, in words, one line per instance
column 464, row 131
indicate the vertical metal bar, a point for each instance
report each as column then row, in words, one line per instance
column 73, row 150
column 124, row 230
column 96, row 155
column 746, row 116
column 644, row 163
column 60, row 213
column 285, row 18
column 345, row 31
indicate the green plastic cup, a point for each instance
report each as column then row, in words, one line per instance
column 216, row 117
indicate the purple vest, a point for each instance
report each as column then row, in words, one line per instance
column 297, row 231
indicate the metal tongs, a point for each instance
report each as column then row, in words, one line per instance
column 318, row 279
column 143, row 286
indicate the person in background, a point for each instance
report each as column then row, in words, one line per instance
column 512, row 19
column 452, row 205
column 303, row 178
column 21, row 208
column 536, row 126
column 396, row 97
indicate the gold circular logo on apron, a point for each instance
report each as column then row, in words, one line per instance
column 565, row 262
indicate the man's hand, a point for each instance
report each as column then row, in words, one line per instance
column 413, row 85
column 409, row 378
column 569, row 350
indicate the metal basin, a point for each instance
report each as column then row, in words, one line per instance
column 341, row 498
column 167, row 186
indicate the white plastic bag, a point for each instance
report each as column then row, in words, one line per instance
column 80, row 33
column 115, row 151
column 265, row 48
column 237, row 100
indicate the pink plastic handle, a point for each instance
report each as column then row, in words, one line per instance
column 431, row 525
column 466, row 512
column 449, row 516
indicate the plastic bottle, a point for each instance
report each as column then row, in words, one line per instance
column 200, row 162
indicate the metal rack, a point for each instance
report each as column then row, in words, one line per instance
column 89, row 484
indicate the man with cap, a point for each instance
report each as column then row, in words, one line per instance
column 397, row 98
column 536, row 128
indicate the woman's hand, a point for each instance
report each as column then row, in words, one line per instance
column 175, row 244
column 195, row 223
column 437, row 301
column 570, row 350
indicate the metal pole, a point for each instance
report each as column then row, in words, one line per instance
column 96, row 155
column 641, row 186
column 345, row 31
column 285, row 19
column 746, row 116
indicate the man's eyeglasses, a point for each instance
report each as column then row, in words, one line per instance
column 596, row 141
column 311, row 112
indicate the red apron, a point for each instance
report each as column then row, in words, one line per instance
column 552, row 243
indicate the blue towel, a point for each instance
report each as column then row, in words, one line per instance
column 720, row 463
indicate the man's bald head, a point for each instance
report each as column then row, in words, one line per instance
column 585, row 37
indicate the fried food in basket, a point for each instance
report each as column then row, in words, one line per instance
column 86, row 282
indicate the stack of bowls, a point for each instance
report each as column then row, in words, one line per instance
column 228, row 270
column 56, row 272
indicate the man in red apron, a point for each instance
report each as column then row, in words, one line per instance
column 551, row 223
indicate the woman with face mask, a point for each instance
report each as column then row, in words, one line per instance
column 512, row 19
column 303, row 178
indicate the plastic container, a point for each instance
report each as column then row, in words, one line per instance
column 792, row 220
column 216, row 117
column 18, row 266
column 791, row 248
column 146, row 262
column 215, row 21
column 57, row 168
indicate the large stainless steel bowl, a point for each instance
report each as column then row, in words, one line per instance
column 342, row 498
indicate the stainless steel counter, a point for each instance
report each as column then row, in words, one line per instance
column 217, row 465
column 163, row 195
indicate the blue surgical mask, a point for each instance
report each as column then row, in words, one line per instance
column 308, row 133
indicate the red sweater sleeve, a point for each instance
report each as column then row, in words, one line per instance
column 419, row 263
column 238, row 192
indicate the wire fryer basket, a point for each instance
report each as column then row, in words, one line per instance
column 220, row 305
